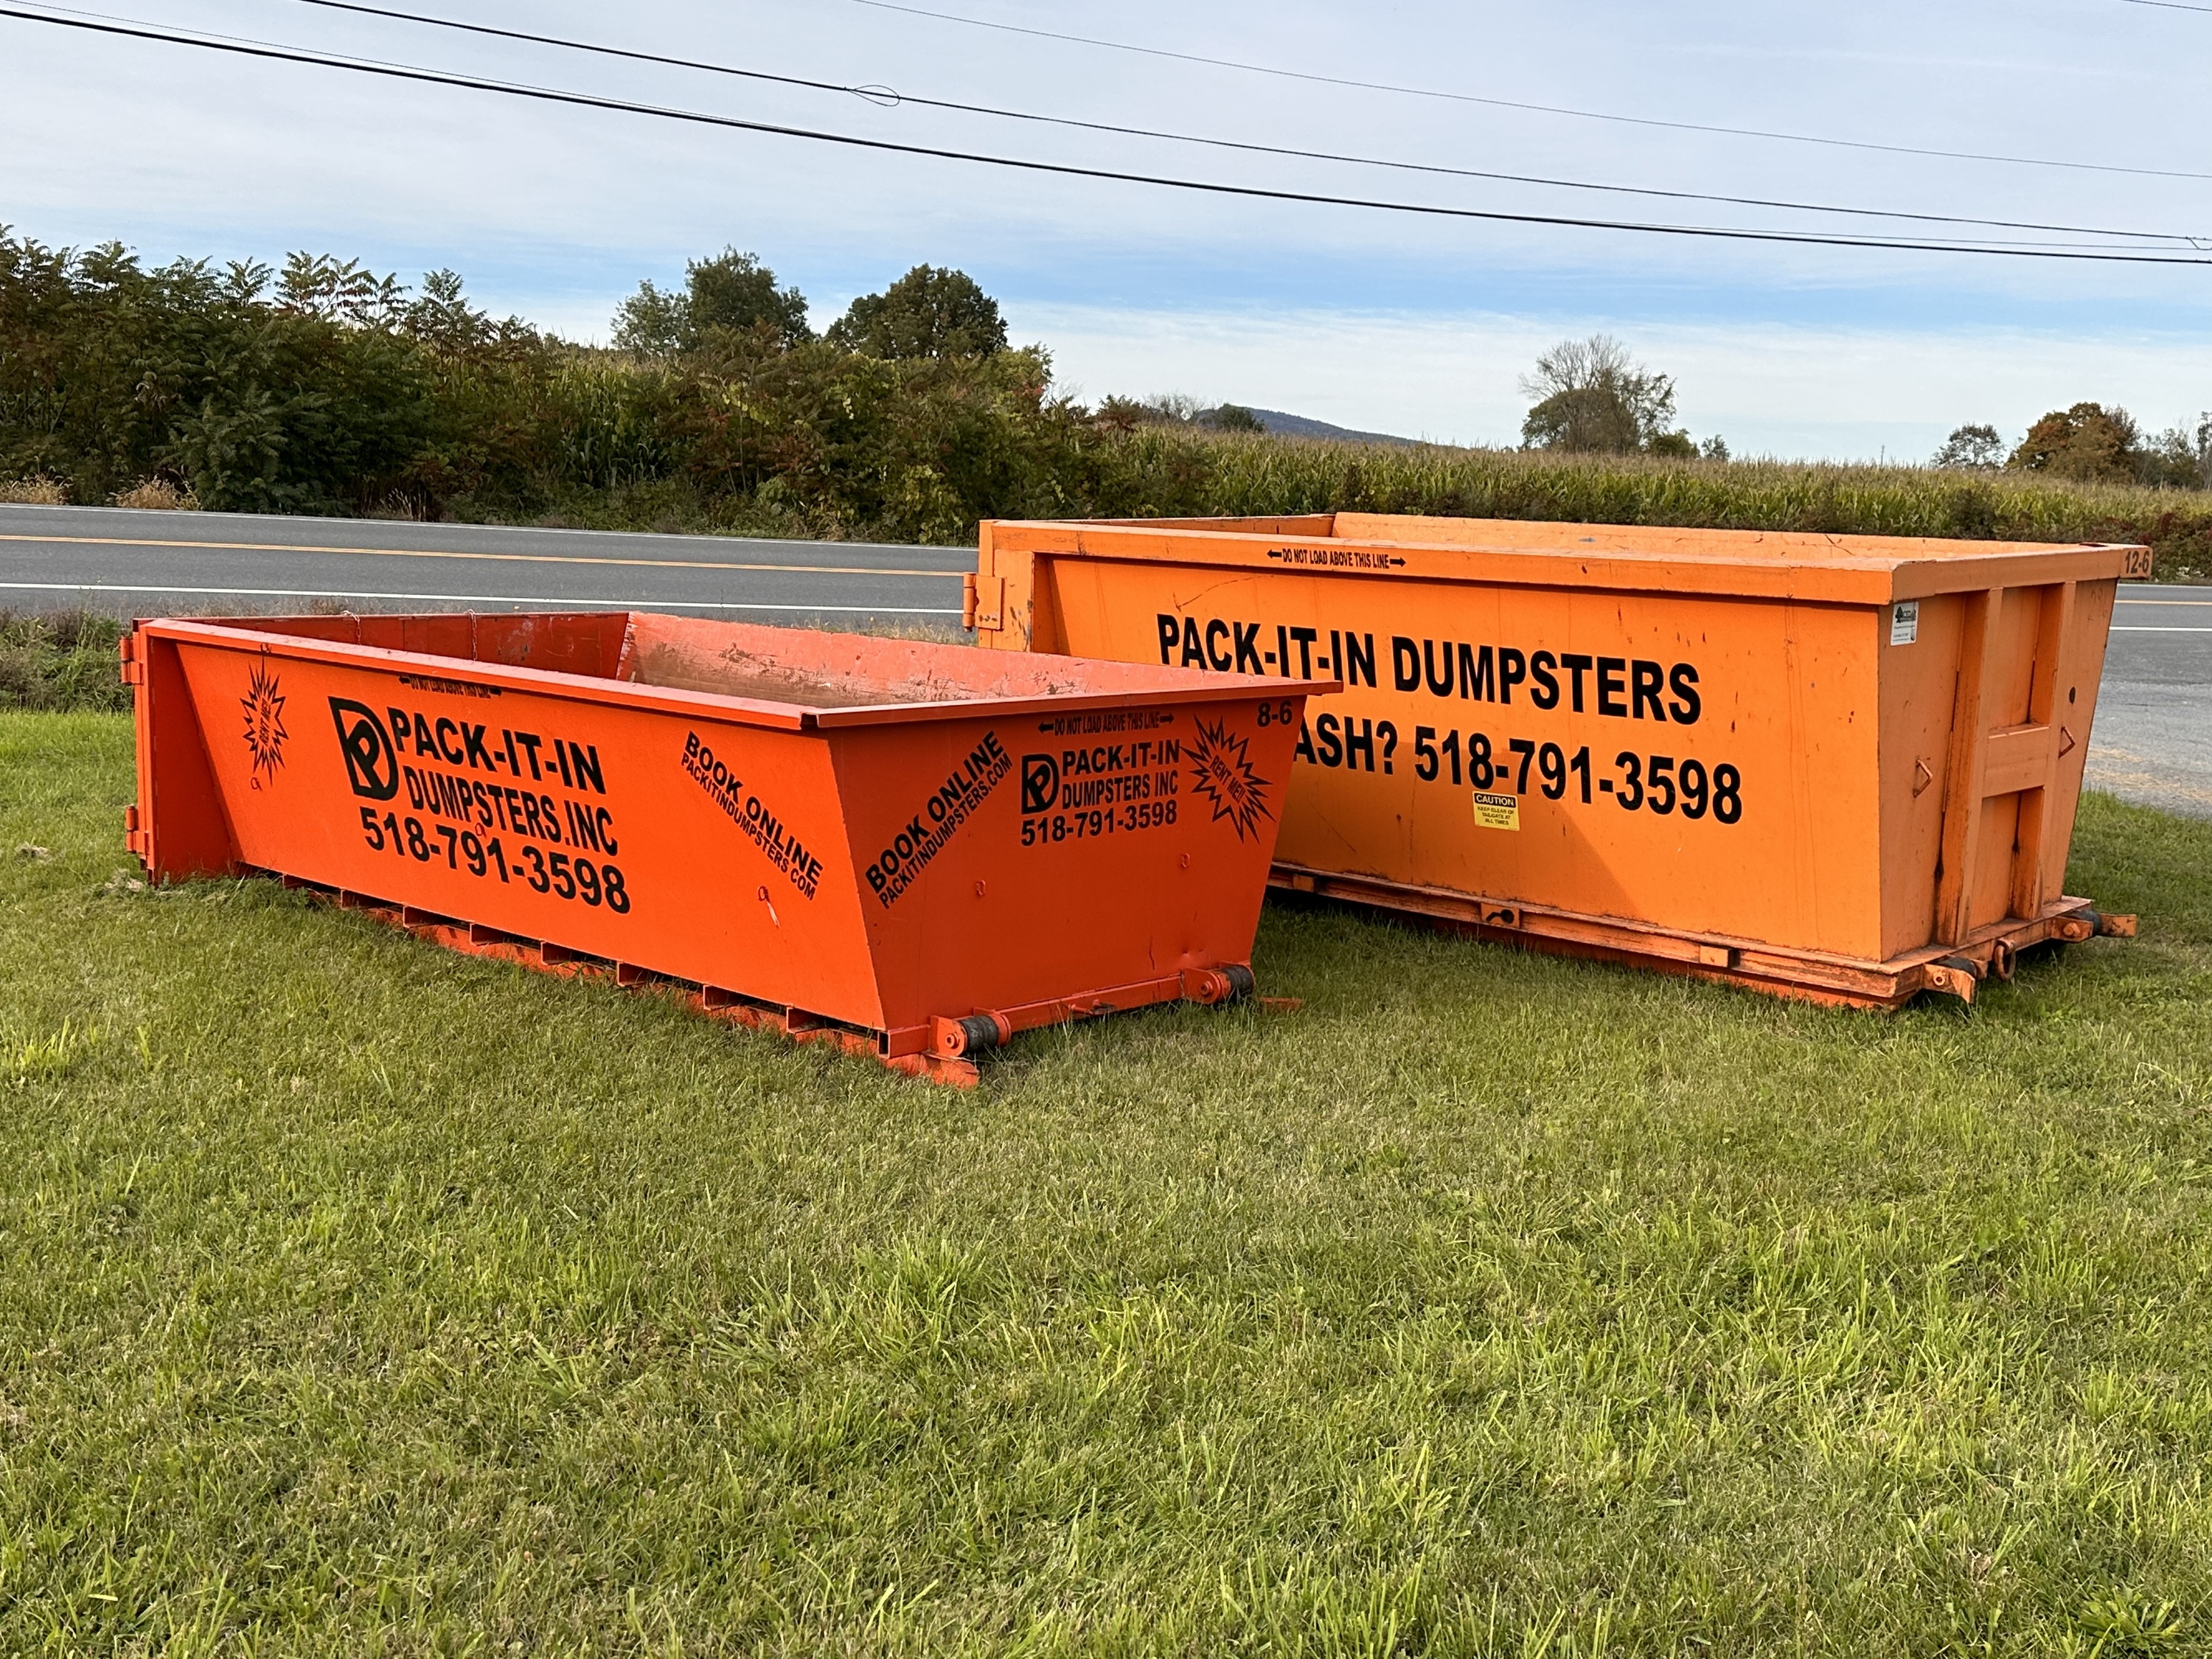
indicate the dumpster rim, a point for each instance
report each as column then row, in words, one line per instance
column 1853, row 580
column 1207, row 687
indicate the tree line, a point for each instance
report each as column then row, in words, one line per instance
column 1593, row 398
column 324, row 387
column 321, row 386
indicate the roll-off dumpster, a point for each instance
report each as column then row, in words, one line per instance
column 913, row 849
column 1839, row 766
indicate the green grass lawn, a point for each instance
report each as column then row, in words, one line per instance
column 355, row 1297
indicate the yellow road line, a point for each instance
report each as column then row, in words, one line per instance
column 498, row 558
column 2206, row 604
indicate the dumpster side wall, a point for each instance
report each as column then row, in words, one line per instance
column 1583, row 710
column 594, row 827
column 1919, row 683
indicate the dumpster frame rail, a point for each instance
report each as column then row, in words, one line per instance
column 942, row 1051
column 1956, row 970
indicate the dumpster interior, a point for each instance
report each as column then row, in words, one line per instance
column 784, row 666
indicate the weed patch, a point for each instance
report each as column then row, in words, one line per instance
column 61, row 660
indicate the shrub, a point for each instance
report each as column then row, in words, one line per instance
column 159, row 494
column 64, row 660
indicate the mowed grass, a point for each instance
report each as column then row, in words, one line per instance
column 355, row 1297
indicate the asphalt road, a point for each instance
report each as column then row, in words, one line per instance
column 127, row 562
column 2152, row 743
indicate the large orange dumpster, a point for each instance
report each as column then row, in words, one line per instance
column 1842, row 767
column 916, row 848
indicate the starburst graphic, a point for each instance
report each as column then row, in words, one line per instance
column 1225, row 778
column 264, row 723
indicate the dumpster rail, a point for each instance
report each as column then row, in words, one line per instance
column 1801, row 975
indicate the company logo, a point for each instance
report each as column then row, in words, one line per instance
column 371, row 767
column 1040, row 782
column 264, row 723
column 1224, row 776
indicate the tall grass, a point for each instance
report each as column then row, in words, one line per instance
column 64, row 661
column 1172, row 472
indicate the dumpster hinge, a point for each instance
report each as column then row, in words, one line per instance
column 131, row 667
column 983, row 602
column 1956, row 975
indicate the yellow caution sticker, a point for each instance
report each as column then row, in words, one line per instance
column 1498, row 812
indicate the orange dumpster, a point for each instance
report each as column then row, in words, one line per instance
column 911, row 849
column 1838, row 766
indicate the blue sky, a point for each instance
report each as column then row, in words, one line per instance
column 1372, row 321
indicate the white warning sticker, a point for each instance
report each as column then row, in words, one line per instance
column 1905, row 622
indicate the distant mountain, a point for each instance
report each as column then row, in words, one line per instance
column 1286, row 425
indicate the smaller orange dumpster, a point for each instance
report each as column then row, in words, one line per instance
column 911, row 849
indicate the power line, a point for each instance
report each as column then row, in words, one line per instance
column 1540, row 109
column 888, row 97
column 2168, row 5
column 589, row 100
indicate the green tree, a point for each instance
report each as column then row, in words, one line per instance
column 2180, row 458
column 928, row 312
column 2088, row 443
column 1972, row 448
column 1593, row 396
column 732, row 291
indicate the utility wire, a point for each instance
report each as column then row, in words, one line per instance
column 1540, row 109
column 887, row 97
column 2168, row 5
column 589, row 100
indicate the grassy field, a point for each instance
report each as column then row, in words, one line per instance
column 358, row 1297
